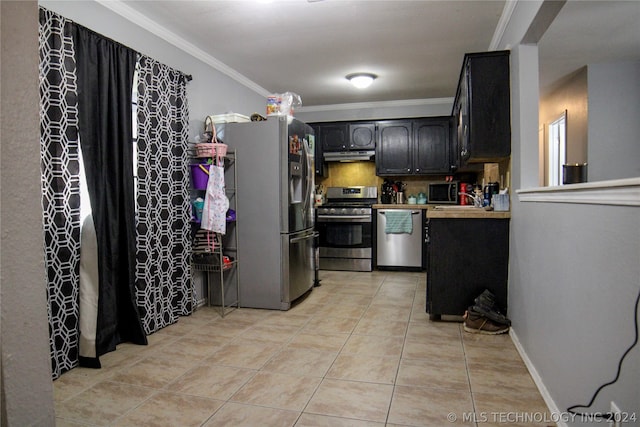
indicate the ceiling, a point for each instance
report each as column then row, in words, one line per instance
column 589, row 32
column 415, row 47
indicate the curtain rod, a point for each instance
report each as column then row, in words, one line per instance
column 188, row 77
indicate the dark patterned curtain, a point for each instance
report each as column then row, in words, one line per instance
column 164, row 285
column 150, row 267
column 60, row 186
column 105, row 83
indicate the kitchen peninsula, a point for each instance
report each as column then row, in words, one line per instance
column 467, row 251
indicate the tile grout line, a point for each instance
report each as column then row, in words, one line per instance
column 466, row 365
column 255, row 320
column 404, row 341
column 336, row 358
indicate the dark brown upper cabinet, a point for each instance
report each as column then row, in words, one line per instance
column 481, row 109
column 413, row 147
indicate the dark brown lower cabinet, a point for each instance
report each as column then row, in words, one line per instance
column 465, row 256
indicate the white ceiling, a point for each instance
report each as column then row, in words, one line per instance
column 589, row 32
column 415, row 47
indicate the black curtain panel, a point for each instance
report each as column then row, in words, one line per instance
column 60, row 186
column 105, row 78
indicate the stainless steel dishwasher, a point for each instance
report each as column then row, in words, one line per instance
column 399, row 249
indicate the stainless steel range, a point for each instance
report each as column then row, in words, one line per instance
column 345, row 225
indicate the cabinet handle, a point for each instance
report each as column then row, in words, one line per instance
column 418, row 170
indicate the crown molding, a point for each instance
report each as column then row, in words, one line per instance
column 376, row 104
column 121, row 8
column 127, row 12
column 503, row 22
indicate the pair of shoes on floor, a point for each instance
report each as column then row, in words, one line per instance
column 478, row 324
column 484, row 317
column 485, row 304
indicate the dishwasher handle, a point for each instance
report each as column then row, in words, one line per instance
column 385, row 211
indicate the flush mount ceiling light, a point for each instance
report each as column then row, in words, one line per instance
column 361, row 80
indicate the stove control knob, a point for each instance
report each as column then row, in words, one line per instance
column 332, row 211
column 343, row 211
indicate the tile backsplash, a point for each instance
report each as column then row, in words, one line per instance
column 346, row 174
column 364, row 173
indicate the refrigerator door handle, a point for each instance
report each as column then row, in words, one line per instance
column 307, row 196
column 305, row 237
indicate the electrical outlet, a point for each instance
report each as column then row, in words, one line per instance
column 617, row 415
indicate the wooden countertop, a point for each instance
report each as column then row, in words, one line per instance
column 467, row 213
column 448, row 211
column 402, row 206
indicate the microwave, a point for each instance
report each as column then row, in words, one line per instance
column 441, row 193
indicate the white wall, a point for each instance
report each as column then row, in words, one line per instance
column 376, row 110
column 574, row 270
column 614, row 128
column 27, row 393
column 574, row 277
column 210, row 91
column 572, row 98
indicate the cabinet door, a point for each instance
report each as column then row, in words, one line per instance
column 431, row 145
column 456, row 136
column 318, row 160
column 362, row 136
column 394, row 149
column 489, row 107
column 334, row 137
column 462, row 106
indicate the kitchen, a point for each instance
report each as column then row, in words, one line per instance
column 529, row 287
column 446, row 161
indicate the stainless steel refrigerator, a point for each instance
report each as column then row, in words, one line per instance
column 275, row 210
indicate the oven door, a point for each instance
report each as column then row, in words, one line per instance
column 345, row 244
column 345, row 232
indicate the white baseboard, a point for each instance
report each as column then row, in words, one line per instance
column 551, row 404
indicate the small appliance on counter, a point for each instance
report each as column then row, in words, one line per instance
column 443, row 192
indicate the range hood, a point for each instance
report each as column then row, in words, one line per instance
column 349, row 156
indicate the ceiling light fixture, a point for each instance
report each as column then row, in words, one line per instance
column 361, row 80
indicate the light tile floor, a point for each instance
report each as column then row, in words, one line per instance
column 358, row 351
